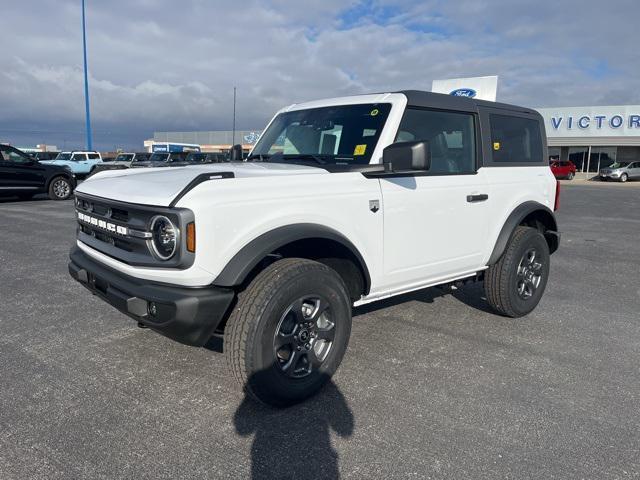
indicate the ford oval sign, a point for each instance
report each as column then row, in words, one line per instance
column 464, row 92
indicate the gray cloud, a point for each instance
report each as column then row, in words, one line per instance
column 172, row 65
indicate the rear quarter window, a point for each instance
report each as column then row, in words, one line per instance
column 515, row 139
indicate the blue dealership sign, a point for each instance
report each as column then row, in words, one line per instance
column 464, row 92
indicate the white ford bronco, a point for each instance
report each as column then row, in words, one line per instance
column 342, row 202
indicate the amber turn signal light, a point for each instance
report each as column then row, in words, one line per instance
column 191, row 237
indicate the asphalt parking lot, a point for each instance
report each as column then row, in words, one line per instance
column 433, row 385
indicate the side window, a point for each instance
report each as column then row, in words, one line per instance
column 79, row 157
column 451, row 137
column 93, row 156
column 515, row 139
column 11, row 155
column 4, row 154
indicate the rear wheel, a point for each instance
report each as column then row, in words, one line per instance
column 289, row 331
column 60, row 189
column 515, row 284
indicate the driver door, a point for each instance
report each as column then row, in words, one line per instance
column 435, row 222
column 82, row 163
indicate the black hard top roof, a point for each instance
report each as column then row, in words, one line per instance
column 419, row 98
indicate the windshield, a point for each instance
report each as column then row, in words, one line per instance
column 619, row 165
column 159, row 157
column 63, row 156
column 123, row 157
column 345, row 134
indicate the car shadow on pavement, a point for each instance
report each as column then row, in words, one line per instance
column 37, row 198
column 295, row 442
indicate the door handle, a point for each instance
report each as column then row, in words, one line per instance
column 477, row 198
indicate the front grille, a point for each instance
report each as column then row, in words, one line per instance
column 120, row 215
column 120, row 230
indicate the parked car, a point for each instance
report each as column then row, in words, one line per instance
column 563, row 169
column 122, row 161
column 45, row 155
column 198, row 158
column 342, row 202
column 621, row 171
column 23, row 176
column 161, row 159
column 81, row 163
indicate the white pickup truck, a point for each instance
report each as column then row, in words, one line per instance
column 342, row 202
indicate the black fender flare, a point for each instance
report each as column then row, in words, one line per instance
column 249, row 256
column 515, row 218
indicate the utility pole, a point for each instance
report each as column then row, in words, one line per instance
column 233, row 134
column 86, row 83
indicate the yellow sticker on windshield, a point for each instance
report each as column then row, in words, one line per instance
column 496, row 146
column 374, row 112
column 360, row 149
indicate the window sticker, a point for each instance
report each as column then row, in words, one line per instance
column 496, row 146
column 374, row 112
column 360, row 149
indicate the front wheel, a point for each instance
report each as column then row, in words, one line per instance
column 515, row 284
column 60, row 189
column 288, row 331
column 624, row 177
column 570, row 176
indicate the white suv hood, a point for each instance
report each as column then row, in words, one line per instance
column 159, row 186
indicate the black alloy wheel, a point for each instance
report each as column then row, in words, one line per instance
column 304, row 336
column 529, row 274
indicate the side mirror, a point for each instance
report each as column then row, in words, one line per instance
column 235, row 154
column 406, row 156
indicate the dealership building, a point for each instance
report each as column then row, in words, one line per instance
column 209, row 141
column 591, row 137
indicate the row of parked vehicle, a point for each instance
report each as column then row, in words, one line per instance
column 56, row 173
column 159, row 159
column 617, row 171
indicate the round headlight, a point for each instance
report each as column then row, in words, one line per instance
column 164, row 237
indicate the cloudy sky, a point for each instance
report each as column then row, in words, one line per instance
column 159, row 65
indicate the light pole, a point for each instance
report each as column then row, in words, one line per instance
column 86, row 83
column 233, row 134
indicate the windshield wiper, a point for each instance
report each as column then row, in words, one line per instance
column 308, row 156
column 259, row 156
column 279, row 156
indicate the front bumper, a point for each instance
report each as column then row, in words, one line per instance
column 187, row 315
column 612, row 175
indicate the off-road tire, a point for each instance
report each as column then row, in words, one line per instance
column 501, row 279
column 252, row 326
column 54, row 191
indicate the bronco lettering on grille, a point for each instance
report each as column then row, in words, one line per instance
column 102, row 224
